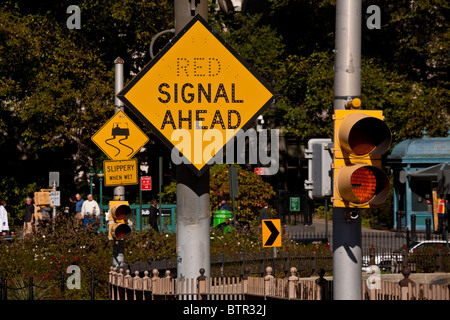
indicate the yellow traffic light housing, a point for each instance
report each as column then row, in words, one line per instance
column 119, row 213
column 361, row 137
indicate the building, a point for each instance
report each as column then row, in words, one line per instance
column 421, row 170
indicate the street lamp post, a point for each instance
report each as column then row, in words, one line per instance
column 100, row 175
column 91, row 174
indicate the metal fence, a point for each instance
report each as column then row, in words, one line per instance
column 31, row 288
column 388, row 245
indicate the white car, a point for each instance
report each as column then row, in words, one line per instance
column 391, row 260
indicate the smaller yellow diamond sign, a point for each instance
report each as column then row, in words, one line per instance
column 120, row 138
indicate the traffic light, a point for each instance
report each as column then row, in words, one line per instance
column 119, row 212
column 361, row 137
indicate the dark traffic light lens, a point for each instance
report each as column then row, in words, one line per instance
column 122, row 212
column 122, row 231
column 368, row 134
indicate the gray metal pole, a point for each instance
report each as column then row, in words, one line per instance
column 118, row 105
column 118, row 83
column 347, row 255
column 193, row 212
column 347, row 69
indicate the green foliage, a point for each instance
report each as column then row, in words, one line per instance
column 56, row 84
column 15, row 196
column 46, row 254
column 253, row 191
column 306, row 102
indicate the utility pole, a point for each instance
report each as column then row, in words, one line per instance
column 119, row 191
column 347, row 255
column 193, row 210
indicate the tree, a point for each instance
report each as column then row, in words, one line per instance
column 253, row 191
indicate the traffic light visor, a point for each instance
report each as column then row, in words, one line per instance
column 363, row 134
column 360, row 184
column 120, row 231
column 120, row 212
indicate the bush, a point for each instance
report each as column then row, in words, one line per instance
column 46, row 254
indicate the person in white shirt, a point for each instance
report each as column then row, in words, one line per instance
column 90, row 211
column 4, row 226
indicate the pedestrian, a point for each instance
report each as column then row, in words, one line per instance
column 28, row 216
column 441, row 214
column 46, row 216
column 70, row 212
column 224, row 205
column 90, row 211
column 265, row 212
column 4, row 226
column 153, row 216
column 78, row 207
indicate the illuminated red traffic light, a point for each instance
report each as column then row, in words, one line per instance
column 364, row 184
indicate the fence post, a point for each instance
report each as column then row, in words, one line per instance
column 242, row 256
column 92, row 285
column 321, row 286
column 406, row 284
column 127, row 284
column 314, row 261
column 293, row 284
column 439, row 260
column 111, row 279
column 145, row 284
column 268, row 281
column 119, row 284
column 154, row 280
column 201, row 285
column 137, row 284
column 405, row 257
column 30, row 288
column 372, row 255
column 427, row 228
column 245, row 282
column 222, row 263
column 399, row 222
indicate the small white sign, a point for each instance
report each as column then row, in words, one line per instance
column 55, row 198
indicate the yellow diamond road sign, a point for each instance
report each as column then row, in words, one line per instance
column 197, row 93
column 120, row 138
